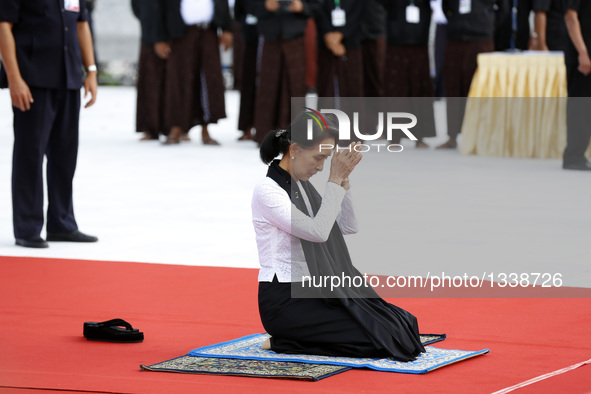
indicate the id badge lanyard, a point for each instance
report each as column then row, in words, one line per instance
column 465, row 7
column 413, row 14
column 338, row 15
column 72, row 5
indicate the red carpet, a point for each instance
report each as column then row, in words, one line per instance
column 43, row 303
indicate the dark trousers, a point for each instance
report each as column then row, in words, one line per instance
column 282, row 75
column 460, row 66
column 340, row 76
column 311, row 44
column 248, row 84
column 578, row 117
column 237, row 55
column 374, row 63
column 150, row 92
column 49, row 129
column 523, row 29
column 194, row 85
column 408, row 78
column 440, row 40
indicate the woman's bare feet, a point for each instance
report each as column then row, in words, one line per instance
column 267, row 344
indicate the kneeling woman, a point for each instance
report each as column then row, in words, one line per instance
column 299, row 233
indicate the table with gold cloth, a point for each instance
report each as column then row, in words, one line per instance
column 517, row 106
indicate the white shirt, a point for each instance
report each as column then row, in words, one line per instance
column 279, row 225
column 196, row 11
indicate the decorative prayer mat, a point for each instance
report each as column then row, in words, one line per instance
column 251, row 368
column 428, row 339
column 249, row 348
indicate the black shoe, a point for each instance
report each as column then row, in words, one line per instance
column 74, row 236
column 578, row 166
column 116, row 330
column 32, row 242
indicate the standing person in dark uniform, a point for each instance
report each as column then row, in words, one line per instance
column 44, row 44
column 505, row 27
column 154, row 51
column 407, row 62
column 470, row 31
column 578, row 73
column 373, row 47
column 194, row 82
column 244, row 15
column 283, row 61
column 523, row 41
column 237, row 48
column 439, row 46
column 373, row 55
column 549, row 25
column 510, row 33
column 504, row 34
column 311, row 45
column 340, row 63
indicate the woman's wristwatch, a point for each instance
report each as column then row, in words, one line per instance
column 91, row 69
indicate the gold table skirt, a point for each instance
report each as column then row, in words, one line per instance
column 517, row 106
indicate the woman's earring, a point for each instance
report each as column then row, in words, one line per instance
column 293, row 157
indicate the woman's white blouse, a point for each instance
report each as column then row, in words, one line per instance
column 279, row 225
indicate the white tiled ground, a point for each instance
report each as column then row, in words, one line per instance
column 420, row 211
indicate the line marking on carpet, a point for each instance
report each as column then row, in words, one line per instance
column 542, row 377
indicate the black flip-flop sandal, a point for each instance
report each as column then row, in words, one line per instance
column 116, row 330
